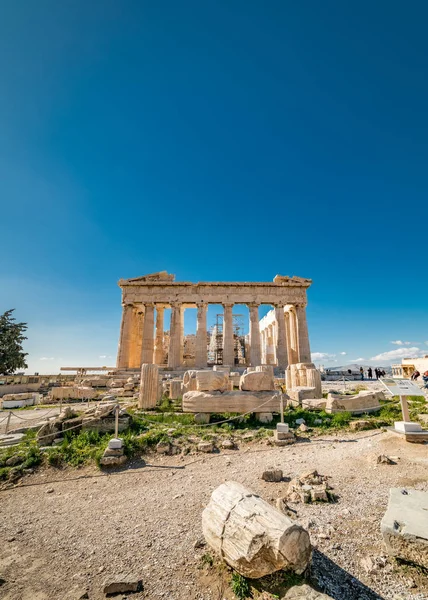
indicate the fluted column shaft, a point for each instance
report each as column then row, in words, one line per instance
column 126, row 326
column 136, row 338
column 293, row 356
column 303, row 334
column 281, row 339
column 228, row 341
column 158, row 360
column 148, row 342
column 149, row 386
column 201, row 337
column 174, row 336
column 255, row 358
column 288, row 336
column 181, row 335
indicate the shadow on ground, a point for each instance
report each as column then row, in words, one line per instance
column 336, row 582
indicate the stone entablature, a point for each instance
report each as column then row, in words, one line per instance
column 141, row 296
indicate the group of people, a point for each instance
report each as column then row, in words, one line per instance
column 378, row 372
column 416, row 374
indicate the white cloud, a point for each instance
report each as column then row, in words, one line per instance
column 322, row 356
column 401, row 343
column 426, row 343
column 357, row 360
column 343, row 353
column 47, row 358
column 412, row 352
column 104, row 356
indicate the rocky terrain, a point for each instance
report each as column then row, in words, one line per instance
column 65, row 532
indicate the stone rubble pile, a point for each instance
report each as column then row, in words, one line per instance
column 309, row 487
column 101, row 419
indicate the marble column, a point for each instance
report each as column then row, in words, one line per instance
column 181, row 335
column 293, row 355
column 288, row 335
column 303, row 335
column 174, row 336
column 201, row 356
column 148, row 342
column 158, row 359
column 126, row 327
column 136, row 338
column 270, row 356
column 281, row 339
column 255, row 358
column 228, row 340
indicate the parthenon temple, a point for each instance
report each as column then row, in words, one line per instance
column 280, row 338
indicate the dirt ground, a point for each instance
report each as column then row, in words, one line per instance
column 64, row 532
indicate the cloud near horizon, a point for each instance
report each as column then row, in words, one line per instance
column 322, row 356
column 412, row 352
column 401, row 343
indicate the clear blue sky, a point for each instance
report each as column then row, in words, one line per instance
column 219, row 140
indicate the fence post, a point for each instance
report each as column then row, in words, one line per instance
column 8, row 420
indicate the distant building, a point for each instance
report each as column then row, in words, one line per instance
column 408, row 365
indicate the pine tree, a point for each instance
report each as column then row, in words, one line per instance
column 12, row 356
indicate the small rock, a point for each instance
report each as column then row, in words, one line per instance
column 272, row 475
column 14, row 460
column 228, row 444
column 205, row 447
column 300, row 421
column 50, row 491
column 317, row 421
column 382, row 459
column 303, row 427
column 11, row 539
column 360, row 425
column 121, row 584
column 200, row 543
column 163, row 448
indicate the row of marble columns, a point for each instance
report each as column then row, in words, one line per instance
column 287, row 343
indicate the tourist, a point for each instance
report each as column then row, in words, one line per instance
column 415, row 375
column 425, row 378
column 362, row 373
column 370, row 373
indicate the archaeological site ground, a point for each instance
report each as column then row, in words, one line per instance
column 213, row 465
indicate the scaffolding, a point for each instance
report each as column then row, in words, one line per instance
column 215, row 351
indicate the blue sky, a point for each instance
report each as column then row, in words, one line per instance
column 227, row 140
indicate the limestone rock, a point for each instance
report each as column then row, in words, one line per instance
column 304, row 592
column 228, row 445
column 405, row 525
column 309, row 487
column 384, row 460
column 363, row 402
column 303, row 427
column 206, row 447
column 207, row 381
column 257, row 381
column 112, row 461
column 202, row 418
column 251, row 535
column 272, row 475
column 121, row 584
column 360, row 425
column 163, row 448
column 264, row 417
column 238, row 402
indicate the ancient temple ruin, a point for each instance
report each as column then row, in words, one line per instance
column 280, row 340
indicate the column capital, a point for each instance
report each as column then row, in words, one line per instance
column 149, row 304
column 228, row 304
column 175, row 304
column 300, row 305
column 253, row 304
column 202, row 304
column 279, row 305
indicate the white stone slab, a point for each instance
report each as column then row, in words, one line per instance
column 405, row 525
column 407, row 426
column 282, row 427
column 115, row 443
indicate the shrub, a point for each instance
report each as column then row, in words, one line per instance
column 240, row 586
column 341, row 419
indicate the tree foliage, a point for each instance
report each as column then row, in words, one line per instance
column 12, row 356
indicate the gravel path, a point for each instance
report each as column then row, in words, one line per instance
column 64, row 532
